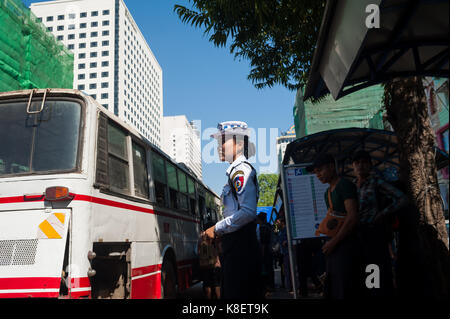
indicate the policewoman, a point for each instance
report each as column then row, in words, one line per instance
column 237, row 231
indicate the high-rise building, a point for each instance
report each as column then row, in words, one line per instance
column 282, row 143
column 181, row 141
column 112, row 60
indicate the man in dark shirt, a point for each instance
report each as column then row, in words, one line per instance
column 341, row 251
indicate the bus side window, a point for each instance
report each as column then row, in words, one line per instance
column 201, row 208
column 118, row 169
column 192, row 201
column 160, row 180
column 182, row 195
column 140, row 171
column 173, row 185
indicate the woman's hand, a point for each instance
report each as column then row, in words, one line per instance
column 329, row 246
column 209, row 233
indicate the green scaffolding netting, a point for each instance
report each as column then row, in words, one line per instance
column 362, row 109
column 30, row 57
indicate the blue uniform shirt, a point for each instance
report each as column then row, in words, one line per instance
column 238, row 213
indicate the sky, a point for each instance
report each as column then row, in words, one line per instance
column 208, row 84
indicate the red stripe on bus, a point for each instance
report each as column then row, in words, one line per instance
column 101, row 201
column 145, row 270
column 107, row 202
column 29, row 283
column 30, row 295
column 19, row 199
column 80, row 282
column 147, row 287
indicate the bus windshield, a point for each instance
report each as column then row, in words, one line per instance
column 39, row 143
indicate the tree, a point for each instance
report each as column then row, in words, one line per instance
column 425, row 251
column 278, row 37
column 267, row 188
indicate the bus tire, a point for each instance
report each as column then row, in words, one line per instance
column 168, row 280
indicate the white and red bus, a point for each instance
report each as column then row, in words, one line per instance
column 88, row 207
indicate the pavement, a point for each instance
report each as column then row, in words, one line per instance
column 195, row 292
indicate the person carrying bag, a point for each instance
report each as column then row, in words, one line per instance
column 332, row 222
column 342, row 249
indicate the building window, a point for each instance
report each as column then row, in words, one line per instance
column 105, row 12
column 81, row 76
column 81, row 66
column 83, row 25
column 60, row 37
column 105, row 23
column 105, row 33
column 105, row 63
column 105, row 85
column 93, row 54
column 94, row 13
column 94, row 24
column 93, row 65
column 71, row 46
column 105, row 43
column 50, row 29
column 82, row 35
column 82, row 56
column 60, row 17
column 83, row 14
column 71, row 27
column 92, row 86
column 94, row 34
column 93, row 75
column 105, row 53
column 71, row 16
column 94, row 44
column 71, row 36
column 81, row 87
column 105, row 74
column 104, row 96
column 60, row 28
column 49, row 19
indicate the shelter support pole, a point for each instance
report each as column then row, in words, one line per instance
column 287, row 213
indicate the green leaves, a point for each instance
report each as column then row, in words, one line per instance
column 267, row 188
column 278, row 37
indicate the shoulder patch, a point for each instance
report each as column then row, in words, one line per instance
column 238, row 180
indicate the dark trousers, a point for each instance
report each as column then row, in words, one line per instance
column 308, row 263
column 241, row 266
column 267, row 267
column 344, row 270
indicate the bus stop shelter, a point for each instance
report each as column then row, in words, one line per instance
column 411, row 40
column 341, row 143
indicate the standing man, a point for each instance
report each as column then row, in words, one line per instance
column 342, row 251
column 378, row 200
column 241, row 253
